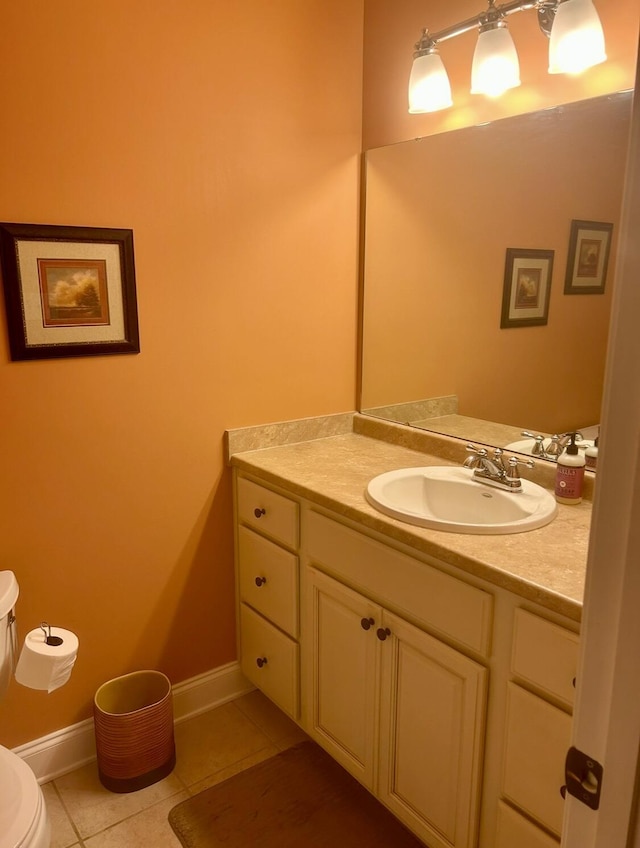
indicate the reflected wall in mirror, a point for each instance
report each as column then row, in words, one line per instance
column 440, row 214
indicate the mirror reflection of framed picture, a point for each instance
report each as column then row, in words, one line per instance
column 589, row 248
column 527, row 287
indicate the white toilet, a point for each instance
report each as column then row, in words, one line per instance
column 23, row 816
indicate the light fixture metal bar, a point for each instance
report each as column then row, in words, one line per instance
column 430, row 39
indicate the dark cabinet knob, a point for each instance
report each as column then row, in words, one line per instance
column 260, row 581
column 261, row 661
column 366, row 623
column 258, row 512
column 382, row 633
column 563, row 791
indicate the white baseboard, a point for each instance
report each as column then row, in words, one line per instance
column 65, row 750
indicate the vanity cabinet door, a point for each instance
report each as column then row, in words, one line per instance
column 538, row 736
column 400, row 710
column 515, row 831
column 343, row 667
column 431, row 732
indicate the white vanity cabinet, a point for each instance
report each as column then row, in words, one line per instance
column 537, row 730
column 447, row 696
column 400, row 709
column 267, row 575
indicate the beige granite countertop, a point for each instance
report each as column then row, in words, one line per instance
column 546, row 566
column 472, row 429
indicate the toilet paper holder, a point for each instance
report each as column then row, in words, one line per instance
column 48, row 638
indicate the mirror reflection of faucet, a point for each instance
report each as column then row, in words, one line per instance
column 556, row 445
column 548, row 447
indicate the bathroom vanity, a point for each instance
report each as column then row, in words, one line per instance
column 437, row 668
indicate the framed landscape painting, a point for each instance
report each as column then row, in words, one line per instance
column 527, row 287
column 69, row 291
column 588, row 258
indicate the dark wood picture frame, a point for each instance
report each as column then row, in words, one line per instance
column 527, row 287
column 588, row 257
column 69, row 291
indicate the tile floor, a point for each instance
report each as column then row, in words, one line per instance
column 210, row 748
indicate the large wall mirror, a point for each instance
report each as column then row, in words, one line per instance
column 444, row 216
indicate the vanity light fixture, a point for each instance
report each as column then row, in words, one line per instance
column 495, row 66
column 429, row 86
column 577, row 39
column 576, row 42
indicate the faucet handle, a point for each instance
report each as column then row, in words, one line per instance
column 538, row 448
column 556, row 445
column 512, row 472
column 514, row 461
column 476, row 456
column 474, row 449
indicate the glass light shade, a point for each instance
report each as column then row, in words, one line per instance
column 495, row 63
column 429, row 86
column 577, row 39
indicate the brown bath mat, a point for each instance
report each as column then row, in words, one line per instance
column 300, row 798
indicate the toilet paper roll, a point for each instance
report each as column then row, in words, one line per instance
column 45, row 666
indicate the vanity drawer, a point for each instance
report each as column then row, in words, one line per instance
column 268, row 579
column 537, row 738
column 514, row 831
column 442, row 603
column 270, row 513
column 270, row 660
column 545, row 655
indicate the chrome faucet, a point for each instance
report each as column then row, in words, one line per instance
column 495, row 471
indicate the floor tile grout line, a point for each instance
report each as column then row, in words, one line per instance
column 80, row 839
column 191, row 786
column 274, row 741
column 181, row 781
column 268, row 741
column 132, row 815
column 67, row 813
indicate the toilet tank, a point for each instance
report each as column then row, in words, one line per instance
column 8, row 597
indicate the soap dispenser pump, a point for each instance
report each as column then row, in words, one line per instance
column 570, row 473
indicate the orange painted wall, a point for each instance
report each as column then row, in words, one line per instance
column 231, row 149
column 392, row 29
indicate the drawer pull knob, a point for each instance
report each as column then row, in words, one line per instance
column 258, row 512
column 261, row 661
column 260, row 581
column 366, row 623
column 382, row 633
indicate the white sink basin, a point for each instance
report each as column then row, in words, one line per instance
column 526, row 445
column 448, row 498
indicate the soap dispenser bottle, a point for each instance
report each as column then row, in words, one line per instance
column 570, row 474
column 591, row 455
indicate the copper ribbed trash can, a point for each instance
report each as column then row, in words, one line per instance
column 133, row 719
